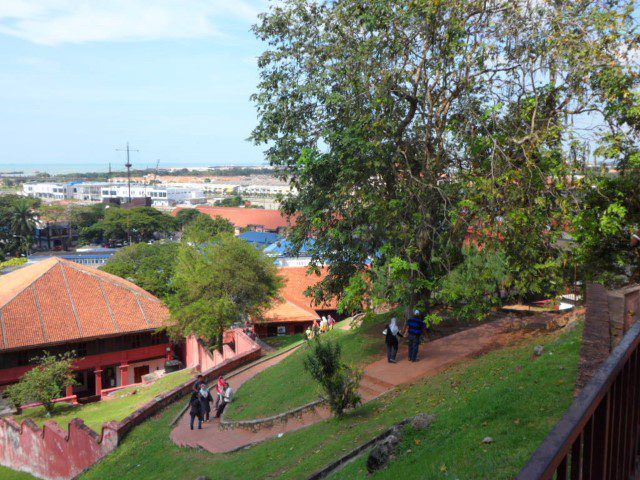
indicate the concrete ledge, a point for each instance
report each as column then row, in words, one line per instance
column 269, row 421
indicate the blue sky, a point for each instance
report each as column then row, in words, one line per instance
column 173, row 77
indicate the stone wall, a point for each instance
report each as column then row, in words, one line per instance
column 54, row 454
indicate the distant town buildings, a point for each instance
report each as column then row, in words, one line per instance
column 161, row 196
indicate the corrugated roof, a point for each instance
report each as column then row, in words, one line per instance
column 57, row 301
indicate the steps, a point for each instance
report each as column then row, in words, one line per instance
column 371, row 387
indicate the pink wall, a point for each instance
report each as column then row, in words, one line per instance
column 52, row 452
column 198, row 356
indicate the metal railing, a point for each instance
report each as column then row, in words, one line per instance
column 598, row 437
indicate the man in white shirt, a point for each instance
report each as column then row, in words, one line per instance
column 225, row 398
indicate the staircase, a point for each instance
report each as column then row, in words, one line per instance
column 371, row 387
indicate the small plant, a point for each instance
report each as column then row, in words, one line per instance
column 45, row 382
column 339, row 381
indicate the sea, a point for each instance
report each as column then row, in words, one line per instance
column 87, row 167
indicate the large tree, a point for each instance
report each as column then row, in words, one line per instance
column 220, row 283
column 138, row 224
column 407, row 126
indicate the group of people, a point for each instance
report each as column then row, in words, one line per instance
column 324, row 325
column 414, row 329
column 201, row 399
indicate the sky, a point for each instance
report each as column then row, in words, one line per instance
column 79, row 79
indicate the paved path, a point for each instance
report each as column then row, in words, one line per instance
column 379, row 377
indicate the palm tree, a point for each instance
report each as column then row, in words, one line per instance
column 22, row 223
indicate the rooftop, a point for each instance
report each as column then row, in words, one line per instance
column 58, row 301
column 296, row 306
column 245, row 217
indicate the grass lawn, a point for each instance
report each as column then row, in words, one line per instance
column 8, row 474
column 284, row 341
column 95, row 414
column 287, row 384
column 506, row 394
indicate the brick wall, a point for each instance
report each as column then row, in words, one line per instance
column 609, row 315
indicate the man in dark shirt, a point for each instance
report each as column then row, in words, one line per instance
column 415, row 328
column 199, row 382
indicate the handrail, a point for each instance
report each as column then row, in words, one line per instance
column 569, row 435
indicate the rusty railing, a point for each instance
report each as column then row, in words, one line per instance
column 598, row 437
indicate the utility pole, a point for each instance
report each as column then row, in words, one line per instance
column 128, row 165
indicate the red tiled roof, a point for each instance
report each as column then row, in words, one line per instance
column 56, row 301
column 245, row 217
column 297, row 307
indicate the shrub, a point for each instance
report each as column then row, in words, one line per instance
column 45, row 382
column 339, row 381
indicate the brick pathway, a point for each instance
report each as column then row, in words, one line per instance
column 379, row 377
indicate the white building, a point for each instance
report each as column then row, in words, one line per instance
column 160, row 196
column 209, row 188
column 264, row 189
column 47, row 191
column 87, row 191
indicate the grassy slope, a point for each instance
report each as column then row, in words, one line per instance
column 8, row 474
column 491, row 399
column 492, row 389
column 95, row 414
column 283, row 341
column 287, row 384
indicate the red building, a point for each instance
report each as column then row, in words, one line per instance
column 57, row 305
column 296, row 311
column 255, row 219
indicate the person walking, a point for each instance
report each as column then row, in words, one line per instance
column 227, row 396
column 199, row 382
column 392, row 332
column 196, row 410
column 219, row 389
column 415, row 328
column 205, row 402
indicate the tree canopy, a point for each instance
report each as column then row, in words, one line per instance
column 220, row 283
column 149, row 266
column 408, row 126
column 138, row 224
column 203, row 229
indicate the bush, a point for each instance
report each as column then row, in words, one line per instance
column 339, row 381
column 45, row 382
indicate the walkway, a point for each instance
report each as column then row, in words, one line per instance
column 379, row 377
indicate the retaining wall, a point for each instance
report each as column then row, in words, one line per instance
column 55, row 454
column 51, row 452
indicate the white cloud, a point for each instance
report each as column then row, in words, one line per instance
column 54, row 22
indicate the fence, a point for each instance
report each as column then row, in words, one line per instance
column 598, row 437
